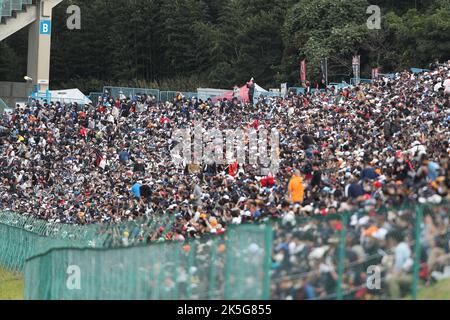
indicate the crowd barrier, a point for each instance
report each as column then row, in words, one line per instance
column 23, row 236
column 231, row 266
column 3, row 105
column 353, row 255
column 357, row 255
column 93, row 96
column 356, row 81
column 131, row 92
column 163, row 96
column 388, row 75
column 170, row 95
column 267, row 94
column 338, row 85
column 419, row 70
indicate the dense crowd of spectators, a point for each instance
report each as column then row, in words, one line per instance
column 363, row 147
column 378, row 259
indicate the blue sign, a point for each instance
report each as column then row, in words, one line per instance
column 46, row 27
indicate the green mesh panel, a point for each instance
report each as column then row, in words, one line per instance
column 233, row 266
column 130, row 92
column 326, row 263
column 227, row 267
column 317, row 242
column 23, row 236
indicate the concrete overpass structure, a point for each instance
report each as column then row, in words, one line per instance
column 36, row 15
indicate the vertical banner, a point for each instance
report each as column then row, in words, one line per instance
column 356, row 63
column 324, row 69
column 303, row 71
column 375, row 73
column 284, row 89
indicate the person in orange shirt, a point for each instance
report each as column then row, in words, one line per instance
column 296, row 189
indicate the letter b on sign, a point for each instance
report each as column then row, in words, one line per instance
column 45, row 27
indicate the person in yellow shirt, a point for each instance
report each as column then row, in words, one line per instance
column 296, row 189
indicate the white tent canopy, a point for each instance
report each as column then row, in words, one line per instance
column 69, row 96
column 259, row 88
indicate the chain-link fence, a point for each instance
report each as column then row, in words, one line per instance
column 386, row 254
column 162, row 96
column 95, row 96
column 117, row 92
column 390, row 253
column 23, row 236
column 232, row 266
column 171, row 95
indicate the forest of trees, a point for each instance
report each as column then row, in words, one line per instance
column 182, row 44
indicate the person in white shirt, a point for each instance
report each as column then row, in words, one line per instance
column 398, row 276
column 447, row 85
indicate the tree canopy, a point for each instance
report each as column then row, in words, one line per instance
column 181, row 44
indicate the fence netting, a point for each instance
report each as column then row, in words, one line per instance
column 390, row 253
column 363, row 255
column 130, row 92
column 305, row 258
column 232, row 266
column 23, row 236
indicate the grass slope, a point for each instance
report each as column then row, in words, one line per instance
column 11, row 285
column 439, row 291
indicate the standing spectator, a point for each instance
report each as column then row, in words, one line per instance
column 251, row 90
column 236, row 92
column 296, row 189
column 398, row 276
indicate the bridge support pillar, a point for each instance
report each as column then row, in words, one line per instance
column 39, row 45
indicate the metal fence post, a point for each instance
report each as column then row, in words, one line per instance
column 190, row 263
column 212, row 270
column 417, row 249
column 267, row 261
column 341, row 259
column 228, row 264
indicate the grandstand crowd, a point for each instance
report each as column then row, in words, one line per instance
column 364, row 147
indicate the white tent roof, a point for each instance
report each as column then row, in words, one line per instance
column 259, row 88
column 69, row 95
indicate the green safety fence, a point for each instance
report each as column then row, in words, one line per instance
column 5, row 8
column 23, row 236
column 337, row 256
column 356, row 81
column 162, row 96
column 94, row 96
column 171, row 95
column 231, row 266
column 353, row 255
column 45, row 228
column 3, row 105
column 130, row 92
